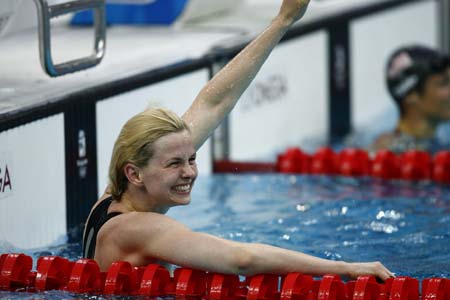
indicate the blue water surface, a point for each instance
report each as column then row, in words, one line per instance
column 404, row 225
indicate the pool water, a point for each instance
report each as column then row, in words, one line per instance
column 404, row 225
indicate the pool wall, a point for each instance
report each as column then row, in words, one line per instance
column 56, row 135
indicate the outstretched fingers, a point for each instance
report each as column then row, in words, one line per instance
column 382, row 272
column 376, row 269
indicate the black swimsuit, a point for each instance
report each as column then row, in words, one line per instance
column 99, row 216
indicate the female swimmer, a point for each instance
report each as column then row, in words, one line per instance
column 153, row 168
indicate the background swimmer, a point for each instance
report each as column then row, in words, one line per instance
column 153, row 169
column 418, row 79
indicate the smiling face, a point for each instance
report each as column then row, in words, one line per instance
column 169, row 175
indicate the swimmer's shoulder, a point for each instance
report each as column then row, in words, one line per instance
column 130, row 236
column 384, row 141
column 133, row 228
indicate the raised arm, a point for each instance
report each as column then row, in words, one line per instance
column 221, row 93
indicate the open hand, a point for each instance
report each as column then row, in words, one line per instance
column 376, row 269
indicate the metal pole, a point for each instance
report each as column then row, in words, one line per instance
column 221, row 136
column 47, row 12
column 445, row 25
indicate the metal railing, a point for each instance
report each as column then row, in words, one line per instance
column 445, row 25
column 46, row 12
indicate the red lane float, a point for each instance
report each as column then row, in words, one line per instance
column 15, row 272
column 324, row 161
column 386, row 165
column 404, row 288
column 441, row 167
column 436, row 289
column 415, row 165
column 297, row 286
column 410, row 165
column 121, row 279
column 263, row 287
column 366, row 288
column 332, row 288
column 84, row 276
column 156, row 282
column 53, row 273
column 293, row 160
column 224, row 287
column 189, row 282
column 354, row 162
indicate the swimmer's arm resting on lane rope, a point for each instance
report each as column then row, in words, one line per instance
column 168, row 240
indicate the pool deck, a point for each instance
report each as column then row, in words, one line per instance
column 132, row 51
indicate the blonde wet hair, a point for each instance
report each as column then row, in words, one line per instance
column 135, row 143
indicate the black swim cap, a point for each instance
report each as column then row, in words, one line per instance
column 409, row 67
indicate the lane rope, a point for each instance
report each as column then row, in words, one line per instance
column 84, row 276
